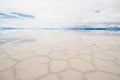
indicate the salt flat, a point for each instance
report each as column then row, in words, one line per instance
column 59, row 55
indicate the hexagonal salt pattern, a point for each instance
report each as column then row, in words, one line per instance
column 61, row 56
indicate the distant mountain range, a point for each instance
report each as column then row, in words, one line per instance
column 72, row 28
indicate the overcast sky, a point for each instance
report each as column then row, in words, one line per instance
column 66, row 12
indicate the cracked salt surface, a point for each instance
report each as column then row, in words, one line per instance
column 59, row 55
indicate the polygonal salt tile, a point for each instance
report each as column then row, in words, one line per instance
column 104, row 56
column 118, row 62
column 58, row 55
column 51, row 77
column 21, row 56
column 1, row 51
column 85, row 57
column 71, row 75
column 58, row 48
column 116, row 54
column 43, row 52
column 31, row 69
column 6, row 63
column 41, row 59
column 71, row 53
column 107, row 66
column 3, row 55
column 81, row 65
column 72, row 47
column 58, row 65
column 18, row 50
column 7, row 75
column 101, row 76
column 93, row 49
column 110, row 53
column 85, row 52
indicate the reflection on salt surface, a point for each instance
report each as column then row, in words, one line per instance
column 6, row 40
column 26, row 40
column 15, row 40
column 18, row 36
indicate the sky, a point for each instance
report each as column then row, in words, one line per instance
column 63, row 13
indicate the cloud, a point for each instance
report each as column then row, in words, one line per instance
column 22, row 15
column 54, row 13
column 15, row 15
